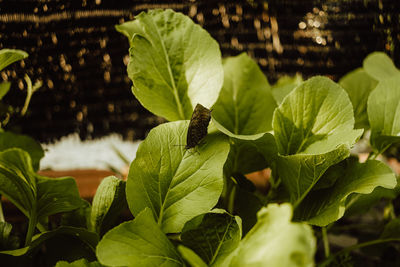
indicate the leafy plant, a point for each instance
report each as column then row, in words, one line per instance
column 197, row 207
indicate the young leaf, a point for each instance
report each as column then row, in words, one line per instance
column 79, row 217
column 108, row 202
column 324, row 206
column 275, row 241
column 55, row 195
column 4, row 88
column 379, row 66
column 34, row 149
column 213, row 236
column 358, row 84
column 284, row 86
column 17, row 179
column 391, row 230
column 174, row 64
column 384, row 113
column 300, row 173
column 137, row 243
column 9, row 56
column 175, row 183
column 78, row 263
column 7, row 240
column 36, row 196
column 191, row 257
column 245, row 105
column 362, row 203
column 315, row 118
column 247, row 156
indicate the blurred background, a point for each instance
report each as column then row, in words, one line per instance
column 75, row 50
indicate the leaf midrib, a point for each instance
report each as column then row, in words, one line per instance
column 220, row 243
column 171, row 77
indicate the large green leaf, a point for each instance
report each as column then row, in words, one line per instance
column 275, row 241
column 380, row 66
column 313, row 128
column 11, row 140
column 245, row 104
column 384, row 113
column 9, row 56
column 213, row 236
column 284, row 86
column 174, row 63
column 324, row 206
column 175, row 183
column 315, row 118
column 358, row 84
column 300, row 173
column 108, row 202
column 137, row 243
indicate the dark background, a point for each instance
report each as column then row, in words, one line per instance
column 81, row 59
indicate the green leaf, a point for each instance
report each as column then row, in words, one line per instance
column 8, row 241
column 284, row 86
column 174, row 64
column 315, row 118
column 129, row 29
column 246, row 206
column 9, row 56
column 4, row 88
column 137, row 243
column 175, row 183
column 362, row 203
column 12, row 140
column 18, row 180
column 108, row 202
column 324, row 206
column 213, row 236
column 380, row 66
column 384, row 113
column 191, row 257
column 78, row 263
column 246, row 156
column 391, row 230
column 55, row 195
column 300, row 173
column 358, row 84
column 79, row 217
column 90, row 239
column 275, row 241
column 36, row 196
column 245, row 105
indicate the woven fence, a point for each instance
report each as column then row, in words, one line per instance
column 81, row 59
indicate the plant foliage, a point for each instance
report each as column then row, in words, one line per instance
column 197, row 207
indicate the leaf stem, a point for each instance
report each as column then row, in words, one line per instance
column 326, row 242
column 231, row 201
column 31, row 230
column 178, row 103
column 1, row 212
